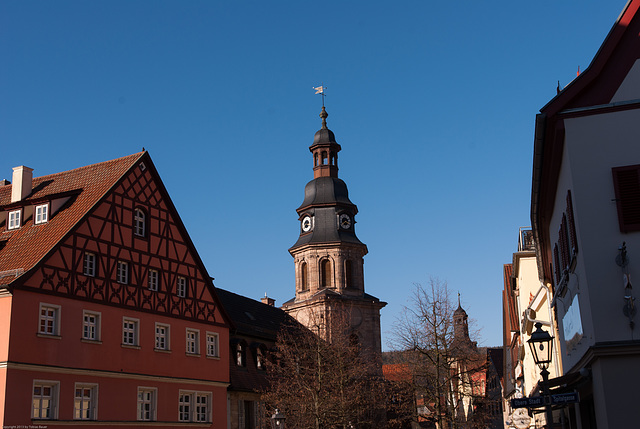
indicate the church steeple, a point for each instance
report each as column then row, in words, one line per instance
column 461, row 336
column 328, row 256
column 325, row 150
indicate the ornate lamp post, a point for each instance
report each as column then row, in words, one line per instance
column 541, row 344
column 277, row 420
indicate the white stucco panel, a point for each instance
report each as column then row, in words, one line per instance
column 630, row 87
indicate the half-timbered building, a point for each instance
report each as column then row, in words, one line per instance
column 107, row 313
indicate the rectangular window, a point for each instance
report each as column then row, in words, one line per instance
column 14, row 219
column 202, row 407
column 184, row 413
column 85, row 402
column 45, row 400
column 123, row 272
column 130, row 331
column 193, row 341
column 89, row 264
column 146, row 403
column 181, row 287
column 212, row 345
column 194, row 407
column 153, row 279
column 162, row 337
column 91, row 326
column 42, row 214
column 49, row 319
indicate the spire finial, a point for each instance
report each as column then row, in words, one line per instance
column 459, row 306
column 324, row 115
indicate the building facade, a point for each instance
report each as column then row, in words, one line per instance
column 585, row 199
column 252, row 339
column 328, row 256
column 525, row 302
column 107, row 313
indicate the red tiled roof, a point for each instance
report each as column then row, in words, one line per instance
column 396, row 372
column 23, row 248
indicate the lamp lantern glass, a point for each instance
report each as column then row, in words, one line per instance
column 277, row 420
column 541, row 344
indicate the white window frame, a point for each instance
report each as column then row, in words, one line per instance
column 91, row 328
column 192, row 341
column 153, row 279
column 85, row 409
column 89, row 264
column 49, row 322
column 213, row 344
column 38, row 399
column 139, row 222
column 181, row 286
column 147, row 396
column 14, row 219
column 162, row 337
column 41, row 214
column 190, row 408
column 130, row 332
column 122, row 272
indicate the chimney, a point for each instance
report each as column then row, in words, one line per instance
column 268, row 301
column 22, row 180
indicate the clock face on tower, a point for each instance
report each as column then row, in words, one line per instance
column 306, row 224
column 345, row 221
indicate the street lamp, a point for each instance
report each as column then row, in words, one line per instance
column 277, row 420
column 541, row 344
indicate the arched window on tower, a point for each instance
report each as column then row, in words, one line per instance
column 304, row 278
column 325, row 160
column 348, row 273
column 333, row 157
column 325, row 273
column 315, row 159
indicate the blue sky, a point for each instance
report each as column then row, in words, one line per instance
column 433, row 103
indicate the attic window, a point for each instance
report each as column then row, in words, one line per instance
column 142, row 166
column 14, row 219
column 42, row 214
column 140, row 223
column 249, row 315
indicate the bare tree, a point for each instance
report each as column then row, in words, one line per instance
column 441, row 357
column 321, row 383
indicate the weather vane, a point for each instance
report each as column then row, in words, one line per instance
column 320, row 90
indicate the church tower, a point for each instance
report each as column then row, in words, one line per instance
column 461, row 339
column 328, row 256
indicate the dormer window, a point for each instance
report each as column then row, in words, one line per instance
column 42, row 214
column 259, row 359
column 140, row 223
column 14, row 219
column 240, row 361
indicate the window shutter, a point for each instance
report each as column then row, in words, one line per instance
column 572, row 225
column 626, row 184
column 556, row 263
